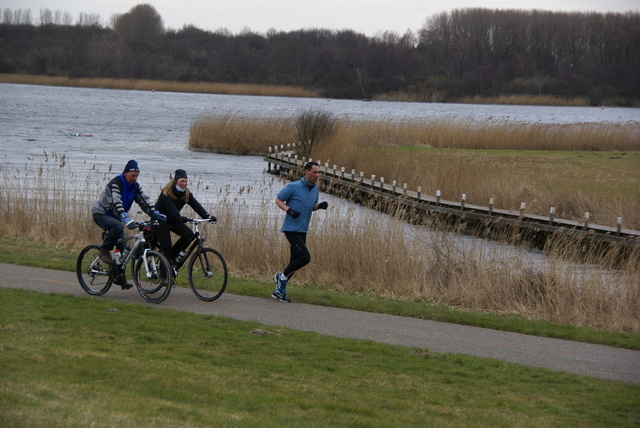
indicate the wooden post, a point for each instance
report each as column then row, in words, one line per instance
column 522, row 207
column 438, row 197
column 361, row 177
column 586, row 220
column 373, row 180
column 619, row 226
column 353, row 175
column 394, row 186
column 552, row 214
column 404, row 188
column 382, row 183
column 490, row 206
column 419, row 192
column 342, row 172
column 464, row 198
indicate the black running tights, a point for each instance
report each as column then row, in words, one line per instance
column 300, row 255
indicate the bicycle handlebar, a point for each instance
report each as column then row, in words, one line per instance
column 143, row 224
column 198, row 220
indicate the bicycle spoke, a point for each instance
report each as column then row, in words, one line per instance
column 207, row 274
column 152, row 275
column 93, row 274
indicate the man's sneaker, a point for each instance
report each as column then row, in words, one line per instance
column 105, row 256
column 280, row 283
column 280, row 297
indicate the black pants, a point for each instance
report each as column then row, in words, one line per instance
column 163, row 237
column 300, row 255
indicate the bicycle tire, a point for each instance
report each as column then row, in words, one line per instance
column 151, row 287
column 207, row 274
column 94, row 275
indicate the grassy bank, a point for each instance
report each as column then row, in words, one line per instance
column 71, row 361
column 358, row 253
column 160, row 85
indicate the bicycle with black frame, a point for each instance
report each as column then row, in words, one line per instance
column 150, row 270
column 206, row 268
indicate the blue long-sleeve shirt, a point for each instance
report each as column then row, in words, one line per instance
column 300, row 196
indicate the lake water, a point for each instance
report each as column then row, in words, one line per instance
column 153, row 127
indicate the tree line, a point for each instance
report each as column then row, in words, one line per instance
column 462, row 53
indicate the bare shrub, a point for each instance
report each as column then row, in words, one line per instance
column 313, row 127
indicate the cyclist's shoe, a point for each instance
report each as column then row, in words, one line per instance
column 165, row 282
column 105, row 256
column 122, row 282
column 280, row 297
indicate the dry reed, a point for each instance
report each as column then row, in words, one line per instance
column 514, row 99
column 229, row 133
column 511, row 163
column 354, row 250
column 161, row 85
column 490, row 134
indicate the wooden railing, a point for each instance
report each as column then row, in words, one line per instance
column 380, row 194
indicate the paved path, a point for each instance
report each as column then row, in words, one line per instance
column 561, row 355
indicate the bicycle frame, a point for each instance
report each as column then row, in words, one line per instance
column 195, row 242
column 139, row 241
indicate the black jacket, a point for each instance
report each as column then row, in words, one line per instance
column 172, row 207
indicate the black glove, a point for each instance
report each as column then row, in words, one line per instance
column 323, row 205
column 212, row 218
column 184, row 219
column 160, row 218
column 293, row 213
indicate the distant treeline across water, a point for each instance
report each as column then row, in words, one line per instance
column 456, row 55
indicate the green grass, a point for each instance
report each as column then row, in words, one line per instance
column 70, row 361
column 57, row 257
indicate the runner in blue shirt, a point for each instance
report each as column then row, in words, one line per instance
column 298, row 199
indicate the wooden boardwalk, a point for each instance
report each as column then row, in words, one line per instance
column 417, row 207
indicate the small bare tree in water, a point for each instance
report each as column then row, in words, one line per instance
column 313, row 126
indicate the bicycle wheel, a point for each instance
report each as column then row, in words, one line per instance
column 152, row 276
column 94, row 275
column 207, row 274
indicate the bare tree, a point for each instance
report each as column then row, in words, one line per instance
column 46, row 17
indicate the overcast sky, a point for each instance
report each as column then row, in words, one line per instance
column 364, row 16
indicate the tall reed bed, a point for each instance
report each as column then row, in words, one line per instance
column 161, row 85
column 490, row 134
column 575, row 168
column 226, row 132
column 354, row 250
column 573, row 182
